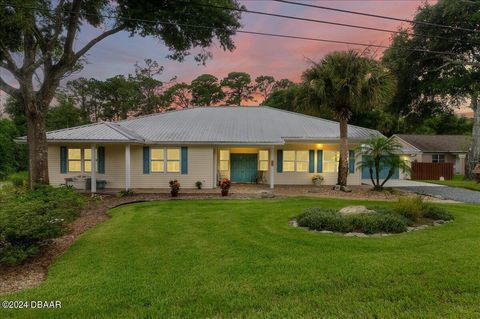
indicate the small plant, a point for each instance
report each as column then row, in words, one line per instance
column 225, row 185
column 174, row 187
column 199, row 184
column 124, row 193
column 410, row 207
column 437, row 213
column 317, row 179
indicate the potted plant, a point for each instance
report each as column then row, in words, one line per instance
column 317, row 180
column 174, row 187
column 225, row 186
column 199, row 184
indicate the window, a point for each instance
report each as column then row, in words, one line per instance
column 224, row 160
column 438, row 158
column 330, row 161
column 87, row 160
column 157, row 162
column 173, row 160
column 263, row 160
column 295, row 161
column 289, row 161
column 75, row 160
column 302, row 161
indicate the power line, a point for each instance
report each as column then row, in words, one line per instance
column 356, row 26
column 376, row 16
column 277, row 35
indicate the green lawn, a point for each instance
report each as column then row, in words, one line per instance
column 458, row 181
column 234, row 258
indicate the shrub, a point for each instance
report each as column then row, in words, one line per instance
column 18, row 179
column 124, row 193
column 437, row 213
column 31, row 219
column 410, row 207
column 199, row 184
column 327, row 219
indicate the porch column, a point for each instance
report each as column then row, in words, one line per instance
column 272, row 166
column 461, row 163
column 127, row 167
column 93, row 178
column 214, row 181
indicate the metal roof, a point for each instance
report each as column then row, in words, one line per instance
column 214, row 125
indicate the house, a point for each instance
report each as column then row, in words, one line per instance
column 437, row 149
column 245, row 144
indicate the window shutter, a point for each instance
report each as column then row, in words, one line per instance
column 63, row 159
column 279, row 161
column 320, row 161
column 311, row 161
column 351, row 162
column 101, row 160
column 146, row 160
column 184, row 160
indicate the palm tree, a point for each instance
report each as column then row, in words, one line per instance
column 345, row 82
column 381, row 152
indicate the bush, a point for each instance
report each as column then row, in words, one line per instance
column 326, row 219
column 32, row 218
column 437, row 213
column 18, row 179
column 410, row 207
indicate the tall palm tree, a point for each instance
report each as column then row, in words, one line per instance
column 344, row 82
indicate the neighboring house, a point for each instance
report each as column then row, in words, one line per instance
column 245, row 144
column 437, row 149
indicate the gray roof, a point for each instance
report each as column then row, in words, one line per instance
column 438, row 143
column 214, row 125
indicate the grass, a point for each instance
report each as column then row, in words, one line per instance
column 234, row 258
column 458, row 181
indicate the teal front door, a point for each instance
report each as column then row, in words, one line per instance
column 243, row 168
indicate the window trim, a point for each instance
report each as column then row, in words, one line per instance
column 165, row 160
column 335, row 161
column 438, row 156
column 260, row 161
column 220, row 160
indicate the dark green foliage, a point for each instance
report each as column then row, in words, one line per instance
column 125, row 193
column 64, row 115
column 238, row 88
column 30, row 219
column 326, row 219
column 206, row 90
column 18, row 179
column 437, row 213
column 12, row 155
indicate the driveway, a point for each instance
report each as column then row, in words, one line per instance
column 441, row 191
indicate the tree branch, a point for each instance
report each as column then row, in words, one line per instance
column 10, row 65
column 7, row 88
column 71, row 29
column 94, row 41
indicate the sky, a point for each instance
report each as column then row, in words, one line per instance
column 254, row 54
column 282, row 58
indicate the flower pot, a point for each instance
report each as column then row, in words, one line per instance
column 174, row 194
column 224, row 192
column 318, row 182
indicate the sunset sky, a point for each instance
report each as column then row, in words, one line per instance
column 282, row 58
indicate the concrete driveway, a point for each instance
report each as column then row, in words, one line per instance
column 439, row 191
column 402, row 183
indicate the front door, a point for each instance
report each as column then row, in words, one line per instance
column 243, row 168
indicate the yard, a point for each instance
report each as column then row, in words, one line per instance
column 458, row 181
column 237, row 258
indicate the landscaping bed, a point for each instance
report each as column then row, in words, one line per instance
column 407, row 214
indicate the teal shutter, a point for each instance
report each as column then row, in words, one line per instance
column 351, row 162
column 184, row 160
column 320, row 161
column 101, row 160
column 146, row 160
column 63, row 159
column 279, row 161
column 311, row 161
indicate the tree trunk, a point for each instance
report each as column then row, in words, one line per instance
column 37, row 145
column 343, row 161
column 473, row 155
